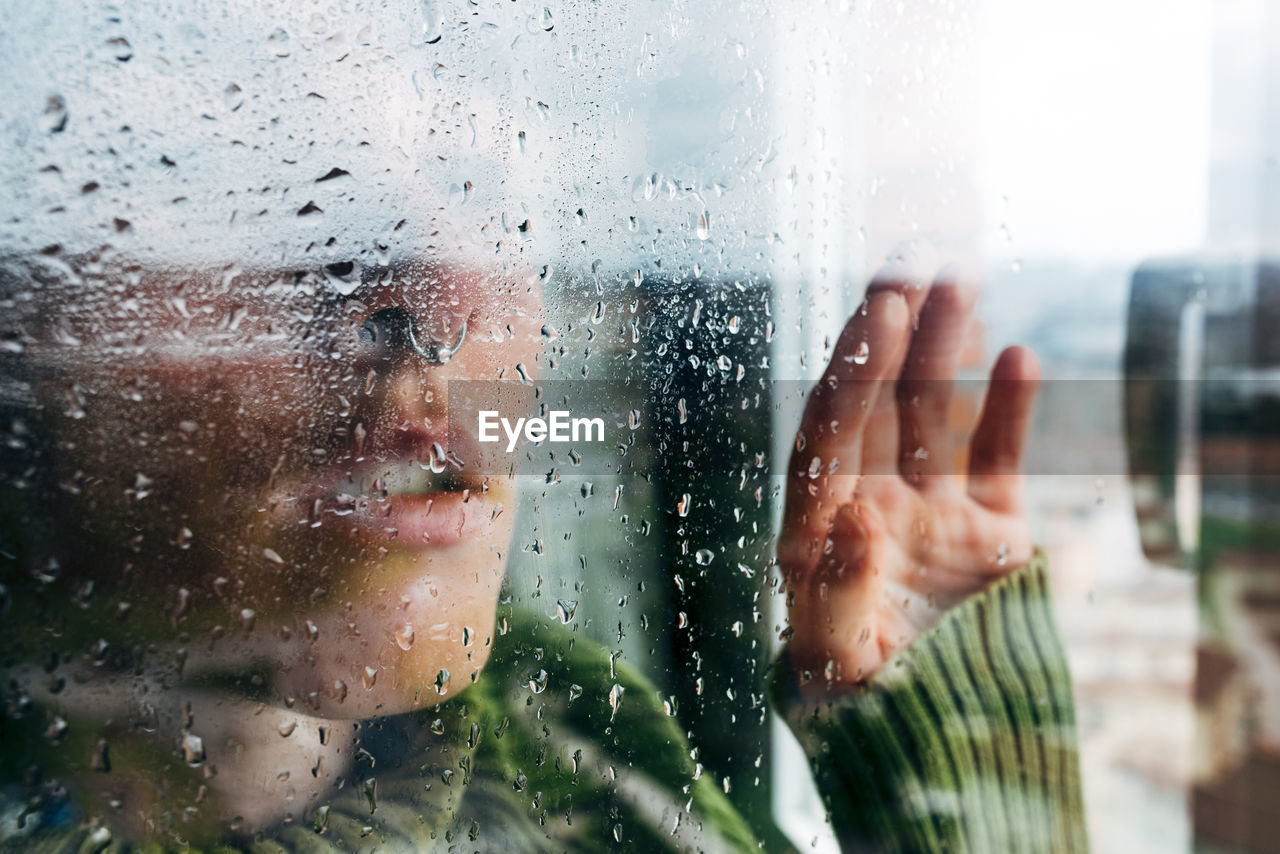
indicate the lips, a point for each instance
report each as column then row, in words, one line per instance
column 416, row 494
column 435, row 518
column 409, row 503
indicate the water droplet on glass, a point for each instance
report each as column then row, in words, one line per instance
column 682, row 508
column 615, row 700
column 278, row 42
column 49, row 572
column 286, row 729
column 120, row 48
column 442, row 681
column 704, row 557
column 565, row 609
column 339, row 690
column 369, row 677
column 404, row 637
column 538, row 682
column 56, row 730
column 192, row 749
column 343, row 276
column 343, row 505
column 432, row 21
column 55, row 115
column 233, row 97
column 862, row 353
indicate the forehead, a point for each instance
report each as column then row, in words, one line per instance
column 251, row 132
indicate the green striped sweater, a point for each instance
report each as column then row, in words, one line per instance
column 965, row 742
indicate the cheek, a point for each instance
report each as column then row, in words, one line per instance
column 508, row 329
column 496, row 355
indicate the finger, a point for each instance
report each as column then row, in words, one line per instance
column 999, row 440
column 871, row 346
column 834, row 613
column 869, row 349
column 928, row 373
column 908, row 273
column 880, row 436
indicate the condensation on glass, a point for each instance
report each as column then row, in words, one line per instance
column 249, row 252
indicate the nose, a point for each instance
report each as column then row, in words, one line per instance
column 411, row 377
column 391, row 333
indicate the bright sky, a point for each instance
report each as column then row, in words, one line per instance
column 1096, row 118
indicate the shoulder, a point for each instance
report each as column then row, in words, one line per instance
column 590, row 732
column 542, row 667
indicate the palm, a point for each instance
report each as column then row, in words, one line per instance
column 882, row 533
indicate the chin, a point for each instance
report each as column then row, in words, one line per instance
column 414, row 630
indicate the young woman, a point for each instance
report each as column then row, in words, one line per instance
column 252, row 570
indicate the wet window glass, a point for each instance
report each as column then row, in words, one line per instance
column 638, row 426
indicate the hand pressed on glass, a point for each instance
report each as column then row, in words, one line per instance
column 882, row 534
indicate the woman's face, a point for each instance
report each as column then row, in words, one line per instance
column 233, row 503
column 223, row 440
column 263, row 472
column 245, row 497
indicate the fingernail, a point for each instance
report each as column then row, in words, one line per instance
column 895, row 310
